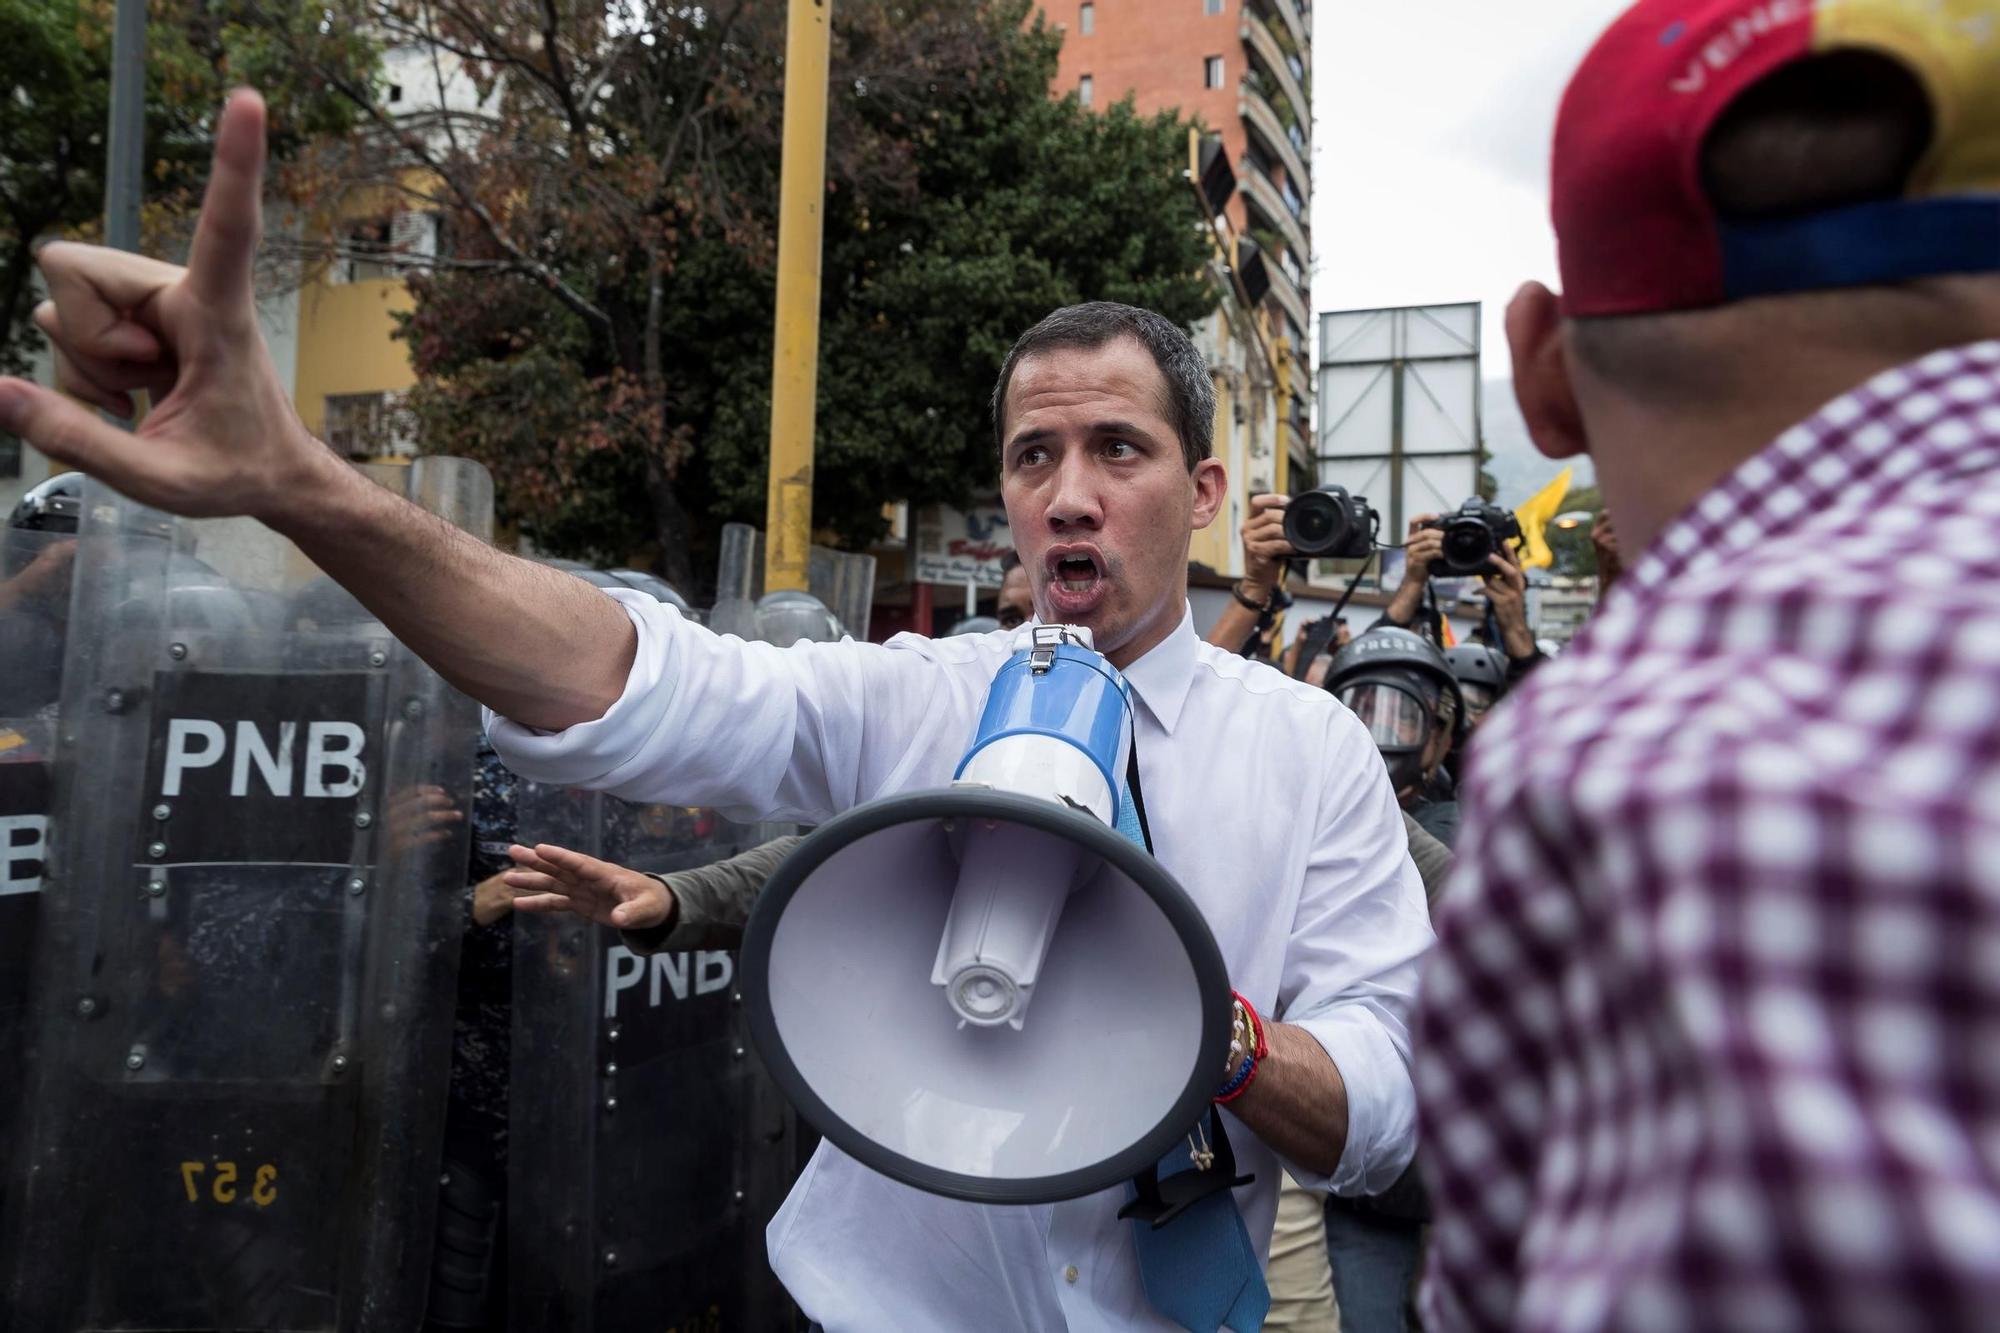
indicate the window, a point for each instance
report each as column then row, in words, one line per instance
column 1086, row 19
column 1084, row 89
column 381, row 248
column 1211, row 8
column 395, row 92
column 10, row 456
column 1211, row 72
column 363, row 254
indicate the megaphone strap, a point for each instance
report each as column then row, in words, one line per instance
column 1137, row 794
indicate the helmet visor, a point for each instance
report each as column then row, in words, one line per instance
column 1395, row 718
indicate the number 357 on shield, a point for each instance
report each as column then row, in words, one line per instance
column 225, row 1187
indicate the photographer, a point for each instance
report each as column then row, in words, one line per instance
column 1255, row 598
column 1506, row 594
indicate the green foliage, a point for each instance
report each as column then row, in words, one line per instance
column 1574, row 555
column 963, row 203
column 55, row 60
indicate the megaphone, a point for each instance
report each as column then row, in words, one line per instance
column 987, row 991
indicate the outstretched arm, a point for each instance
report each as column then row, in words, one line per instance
column 222, row 439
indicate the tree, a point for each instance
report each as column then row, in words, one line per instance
column 599, row 331
column 55, row 58
column 1574, row 555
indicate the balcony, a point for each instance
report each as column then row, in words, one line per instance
column 1286, row 292
column 1295, row 20
column 1264, row 197
column 1268, row 63
column 1297, row 436
column 1262, row 118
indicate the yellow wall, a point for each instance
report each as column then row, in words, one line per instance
column 345, row 344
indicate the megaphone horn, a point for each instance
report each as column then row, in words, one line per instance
column 985, row 990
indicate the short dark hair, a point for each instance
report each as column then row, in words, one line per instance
column 1832, row 130
column 1009, row 562
column 1190, row 403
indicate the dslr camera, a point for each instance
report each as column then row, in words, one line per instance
column 1330, row 524
column 1472, row 532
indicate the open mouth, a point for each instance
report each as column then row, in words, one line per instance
column 1076, row 578
column 1077, row 573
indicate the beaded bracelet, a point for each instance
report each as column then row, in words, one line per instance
column 1259, row 1048
column 1239, row 1081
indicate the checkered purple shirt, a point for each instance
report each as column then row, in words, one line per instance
column 1711, row 1037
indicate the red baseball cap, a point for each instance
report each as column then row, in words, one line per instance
column 1635, row 231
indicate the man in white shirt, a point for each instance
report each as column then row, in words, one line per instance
column 1265, row 798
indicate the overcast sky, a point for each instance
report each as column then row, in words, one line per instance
column 1431, row 123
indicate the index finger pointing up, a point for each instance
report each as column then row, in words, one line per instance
column 232, row 213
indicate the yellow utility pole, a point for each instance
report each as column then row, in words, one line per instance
column 795, row 354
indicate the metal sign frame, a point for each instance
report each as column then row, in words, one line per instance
column 1418, row 355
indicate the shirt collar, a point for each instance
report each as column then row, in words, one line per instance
column 1163, row 676
column 1907, row 424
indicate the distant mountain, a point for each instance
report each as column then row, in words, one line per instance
column 1517, row 465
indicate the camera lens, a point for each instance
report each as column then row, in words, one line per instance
column 1329, row 522
column 1467, row 544
column 1310, row 520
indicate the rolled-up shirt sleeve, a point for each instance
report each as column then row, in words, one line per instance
column 756, row 731
column 1350, row 974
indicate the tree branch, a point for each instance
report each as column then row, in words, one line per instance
column 420, row 152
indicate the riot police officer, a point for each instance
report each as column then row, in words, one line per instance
column 1402, row 689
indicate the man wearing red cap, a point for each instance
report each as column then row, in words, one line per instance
column 1711, row 1039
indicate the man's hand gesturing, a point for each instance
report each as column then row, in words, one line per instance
column 555, row 879
column 221, row 438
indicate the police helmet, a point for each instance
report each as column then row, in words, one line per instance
column 1481, row 672
column 1399, row 685
column 653, row 585
column 55, row 505
column 636, row 580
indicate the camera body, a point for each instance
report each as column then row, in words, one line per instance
column 1330, row 524
column 1472, row 532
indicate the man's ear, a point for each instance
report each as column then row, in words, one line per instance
column 1541, row 373
column 1210, row 480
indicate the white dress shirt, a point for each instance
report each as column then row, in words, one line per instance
column 1265, row 799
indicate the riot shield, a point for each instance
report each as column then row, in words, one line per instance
column 34, row 611
column 250, row 909
column 650, row 1149
column 843, row 583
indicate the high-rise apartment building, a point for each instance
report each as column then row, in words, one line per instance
column 1243, row 70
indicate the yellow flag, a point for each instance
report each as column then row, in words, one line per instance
column 1534, row 517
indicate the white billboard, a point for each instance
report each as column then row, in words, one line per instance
column 1399, row 408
